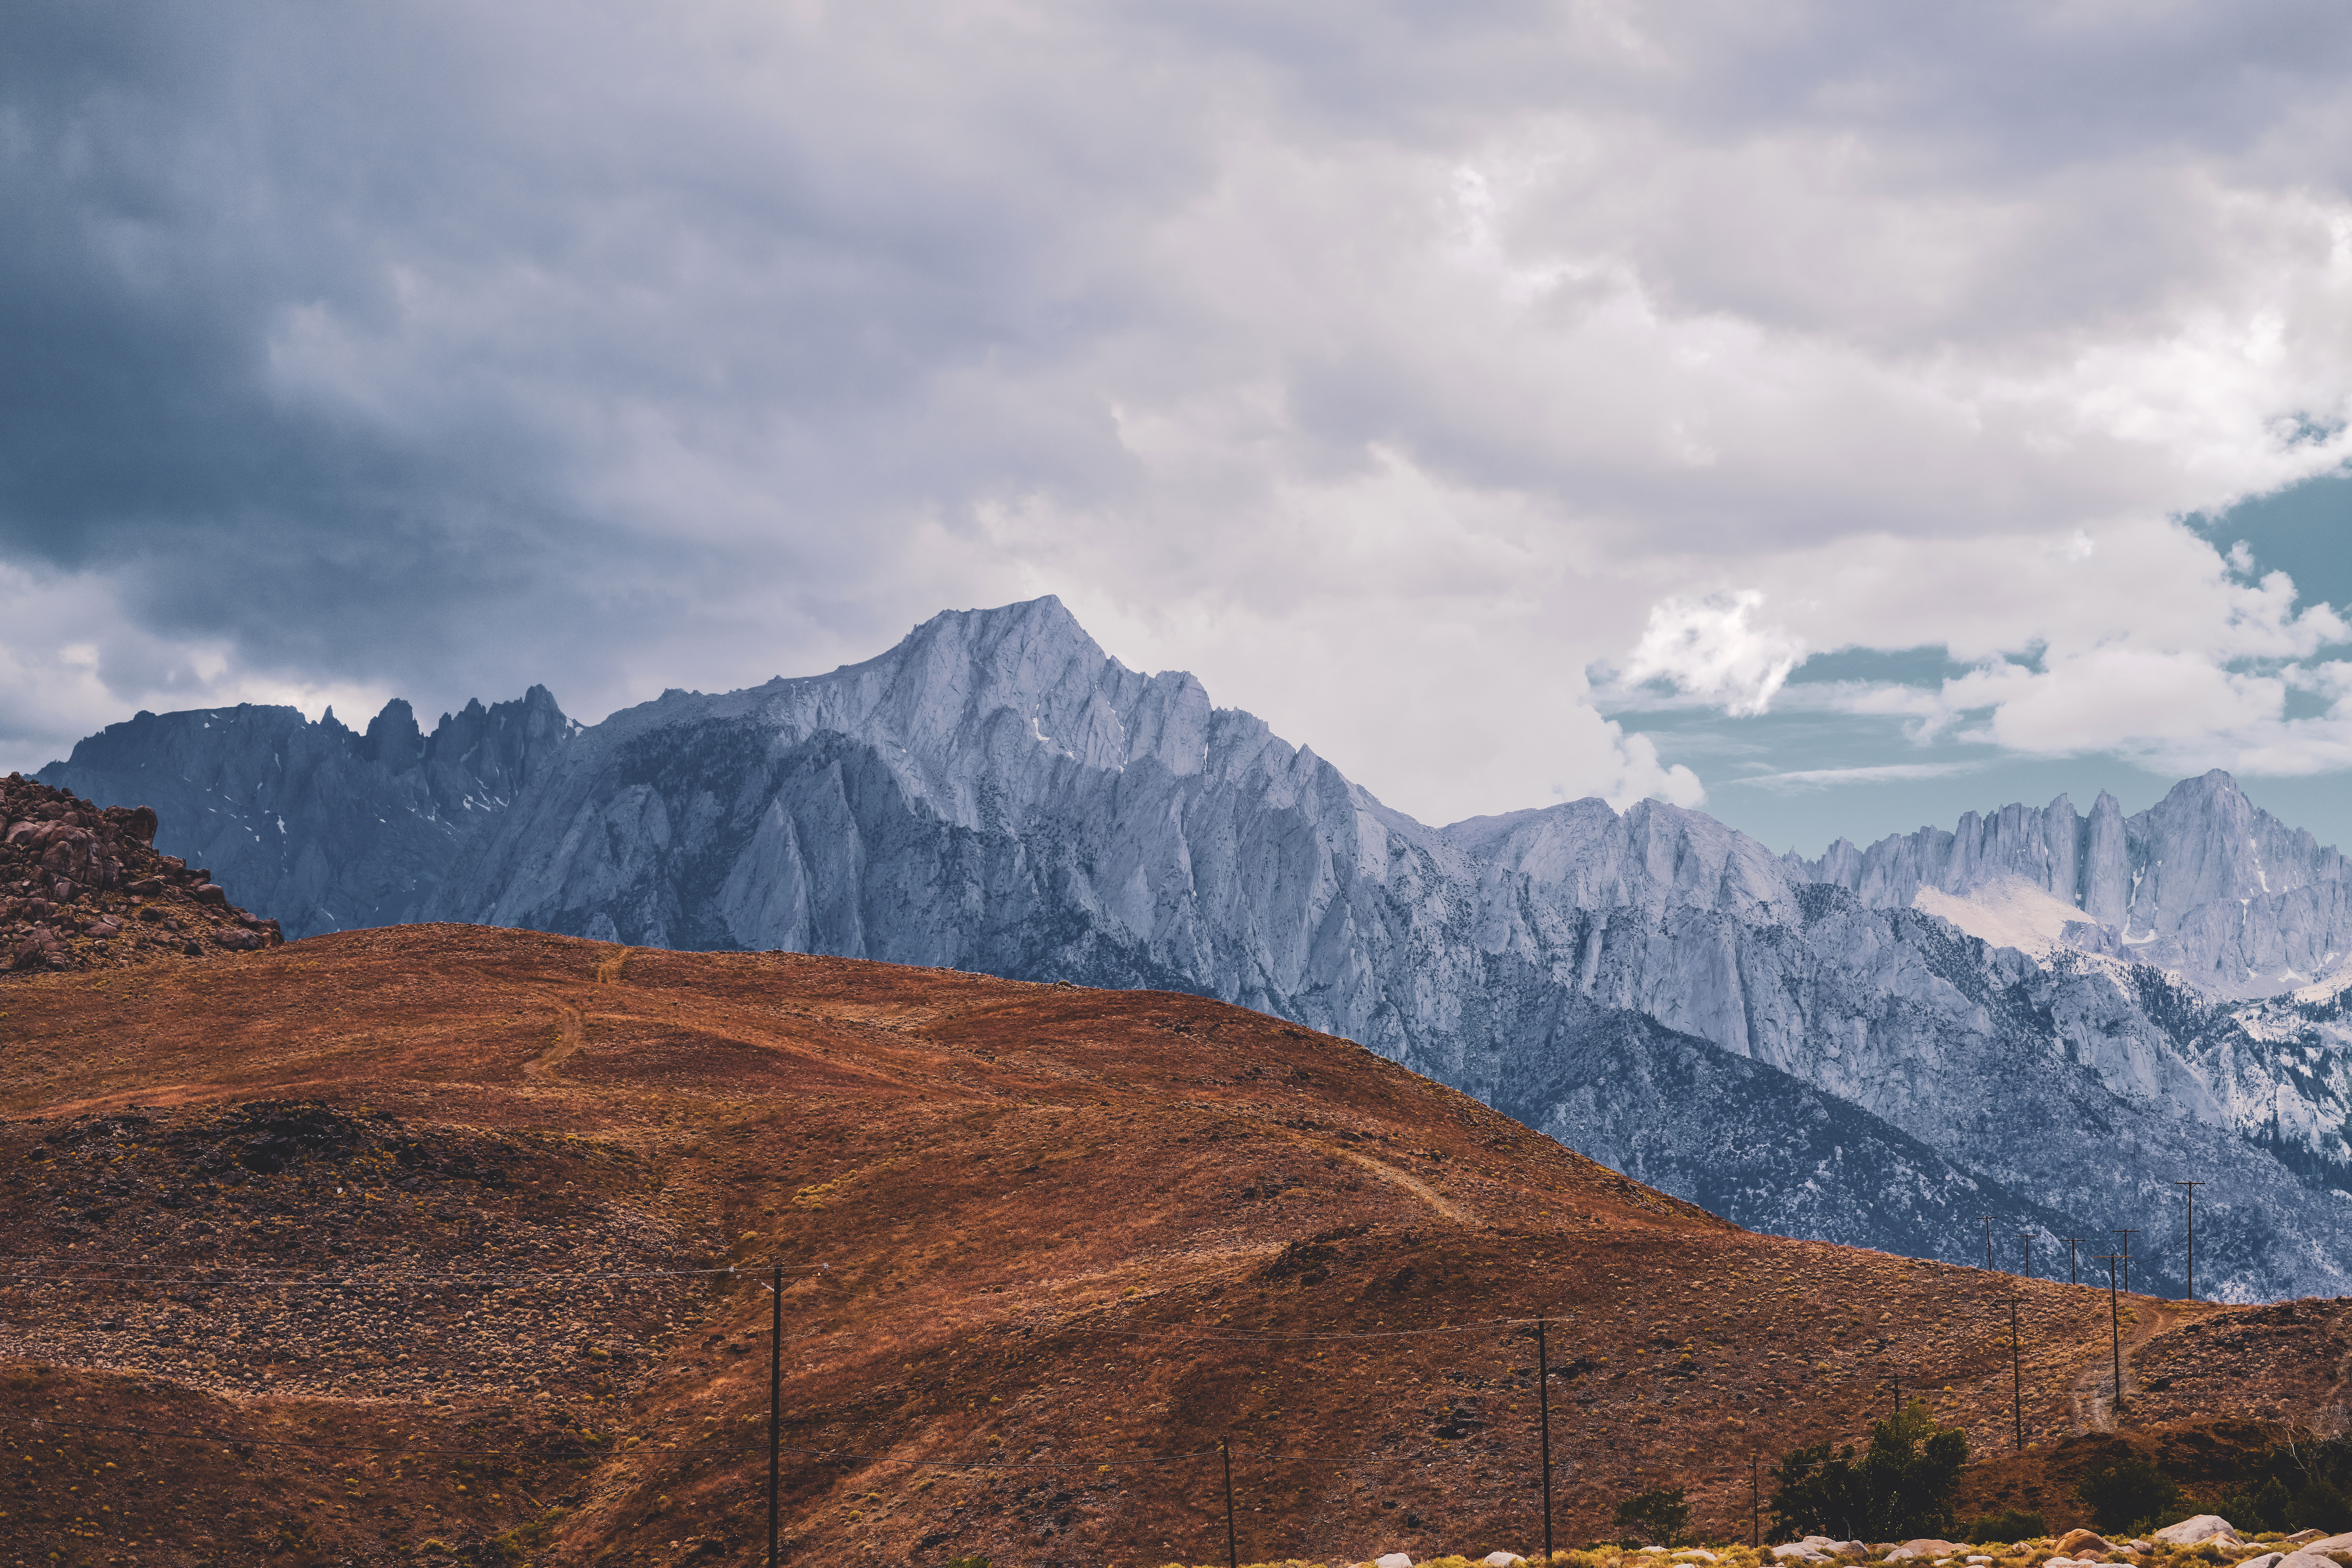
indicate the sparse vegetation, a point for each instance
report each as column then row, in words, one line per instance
column 2294, row 1486
column 1658, row 1515
column 2007, row 1526
column 1902, row 1488
column 972, row 1268
column 2128, row 1493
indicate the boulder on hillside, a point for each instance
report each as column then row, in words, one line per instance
column 2201, row 1527
column 2082, row 1543
column 1924, row 1547
column 2307, row 1558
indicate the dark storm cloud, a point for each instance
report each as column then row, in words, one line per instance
column 534, row 235
column 170, row 200
column 444, row 348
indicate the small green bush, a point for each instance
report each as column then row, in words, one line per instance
column 1658, row 1515
column 1901, row 1488
column 2294, row 1486
column 2009, row 1525
column 2125, row 1493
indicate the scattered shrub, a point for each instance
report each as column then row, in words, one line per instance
column 1901, row 1488
column 2294, row 1486
column 2009, row 1525
column 2127, row 1493
column 1658, row 1515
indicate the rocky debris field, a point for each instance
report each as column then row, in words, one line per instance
column 83, row 888
column 2284, row 1360
column 433, row 1196
column 292, row 1248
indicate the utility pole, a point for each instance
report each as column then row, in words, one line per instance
column 775, row 1404
column 2193, row 1187
column 2071, row 1242
column 2026, row 1236
column 2126, row 1235
column 1233, row 1554
column 1987, row 1225
column 2115, row 1323
column 1543, row 1403
column 2016, row 1377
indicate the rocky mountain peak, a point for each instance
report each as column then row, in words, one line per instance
column 393, row 738
column 985, row 702
column 1652, row 856
column 2203, row 882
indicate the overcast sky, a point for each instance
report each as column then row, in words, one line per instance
column 1839, row 415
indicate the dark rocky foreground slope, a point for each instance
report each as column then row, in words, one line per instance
column 83, row 888
column 1796, row 1043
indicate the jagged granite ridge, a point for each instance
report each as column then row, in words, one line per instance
column 2203, row 881
column 325, row 827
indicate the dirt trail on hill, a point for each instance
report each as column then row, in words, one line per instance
column 1415, row 1186
column 571, row 1032
column 2093, row 1398
column 571, row 1025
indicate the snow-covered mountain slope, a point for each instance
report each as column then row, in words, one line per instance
column 1796, row 1045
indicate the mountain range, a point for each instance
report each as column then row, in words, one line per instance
column 2042, row 1016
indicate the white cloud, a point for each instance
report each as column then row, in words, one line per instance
column 2139, row 639
column 67, row 651
column 1883, row 773
column 1711, row 649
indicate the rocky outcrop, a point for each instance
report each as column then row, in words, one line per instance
column 326, row 827
column 83, row 888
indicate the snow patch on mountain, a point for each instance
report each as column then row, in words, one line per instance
column 2007, row 911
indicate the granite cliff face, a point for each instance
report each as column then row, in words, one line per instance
column 322, row 827
column 1798, row 1047
column 2203, row 881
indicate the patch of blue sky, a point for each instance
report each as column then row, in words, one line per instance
column 1844, row 752
column 1921, row 666
column 2304, row 531
column 1800, row 776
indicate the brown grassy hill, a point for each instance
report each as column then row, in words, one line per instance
column 382, row 1247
